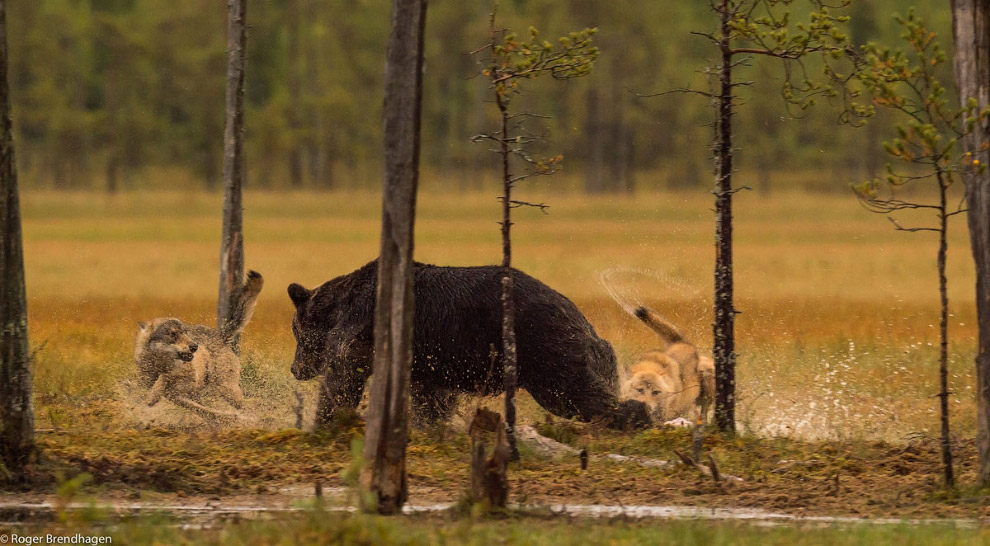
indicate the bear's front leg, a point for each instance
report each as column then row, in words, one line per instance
column 341, row 389
column 432, row 404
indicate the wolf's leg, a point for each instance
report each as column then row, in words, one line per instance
column 207, row 413
column 156, row 392
column 233, row 394
column 707, row 395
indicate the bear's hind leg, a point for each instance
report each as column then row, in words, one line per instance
column 586, row 396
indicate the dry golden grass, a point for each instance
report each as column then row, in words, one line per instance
column 839, row 311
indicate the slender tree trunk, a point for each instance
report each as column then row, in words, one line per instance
column 971, row 36
column 113, row 173
column 383, row 479
column 943, row 357
column 872, row 156
column 510, row 363
column 510, row 358
column 295, row 86
column 320, row 142
column 16, row 410
column 623, row 158
column 724, row 323
column 594, row 170
column 232, row 245
column 114, row 141
column 763, row 181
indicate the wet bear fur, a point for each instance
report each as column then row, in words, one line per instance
column 563, row 364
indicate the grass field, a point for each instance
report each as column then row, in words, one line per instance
column 836, row 337
column 837, row 364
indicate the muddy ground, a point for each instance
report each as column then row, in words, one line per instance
column 860, row 479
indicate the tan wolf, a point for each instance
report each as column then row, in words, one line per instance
column 186, row 363
column 674, row 382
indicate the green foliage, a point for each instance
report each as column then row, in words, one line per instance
column 908, row 82
column 767, row 29
column 511, row 61
column 140, row 84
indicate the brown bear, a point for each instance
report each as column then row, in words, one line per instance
column 563, row 364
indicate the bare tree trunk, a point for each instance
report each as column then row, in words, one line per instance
column 872, row 164
column 383, row 479
column 971, row 36
column 488, row 477
column 943, row 358
column 724, row 323
column 763, row 180
column 113, row 173
column 510, row 358
column 232, row 243
column 16, row 410
column 621, row 168
column 114, row 141
column 295, row 85
column 594, row 169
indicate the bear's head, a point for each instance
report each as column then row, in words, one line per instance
column 332, row 327
column 310, row 328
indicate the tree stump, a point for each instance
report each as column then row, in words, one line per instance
column 489, row 483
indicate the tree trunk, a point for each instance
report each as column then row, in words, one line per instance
column 724, row 323
column 763, row 180
column 113, row 173
column 16, row 411
column 594, row 169
column 232, row 243
column 510, row 358
column 488, row 476
column 943, row 357
column 294, row 85
column 383, row 479
column 971, row 37
column 113, row 141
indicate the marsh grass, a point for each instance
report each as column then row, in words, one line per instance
column 835, row 338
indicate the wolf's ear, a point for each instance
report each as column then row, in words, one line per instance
column 143, row 325
column 298, row 294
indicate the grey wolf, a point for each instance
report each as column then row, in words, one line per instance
column 563, row 363
column 187, row 363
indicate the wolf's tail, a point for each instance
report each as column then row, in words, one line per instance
column 668, row 332
column 606, row 278
column 241, row 314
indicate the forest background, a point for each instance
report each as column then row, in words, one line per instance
column 127, row 94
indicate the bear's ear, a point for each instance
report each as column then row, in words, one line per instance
column 298, row 294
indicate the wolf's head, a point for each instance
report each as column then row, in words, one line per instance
column 654, row 381
column 165, row 337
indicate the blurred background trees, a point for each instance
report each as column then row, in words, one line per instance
column 121, row 94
